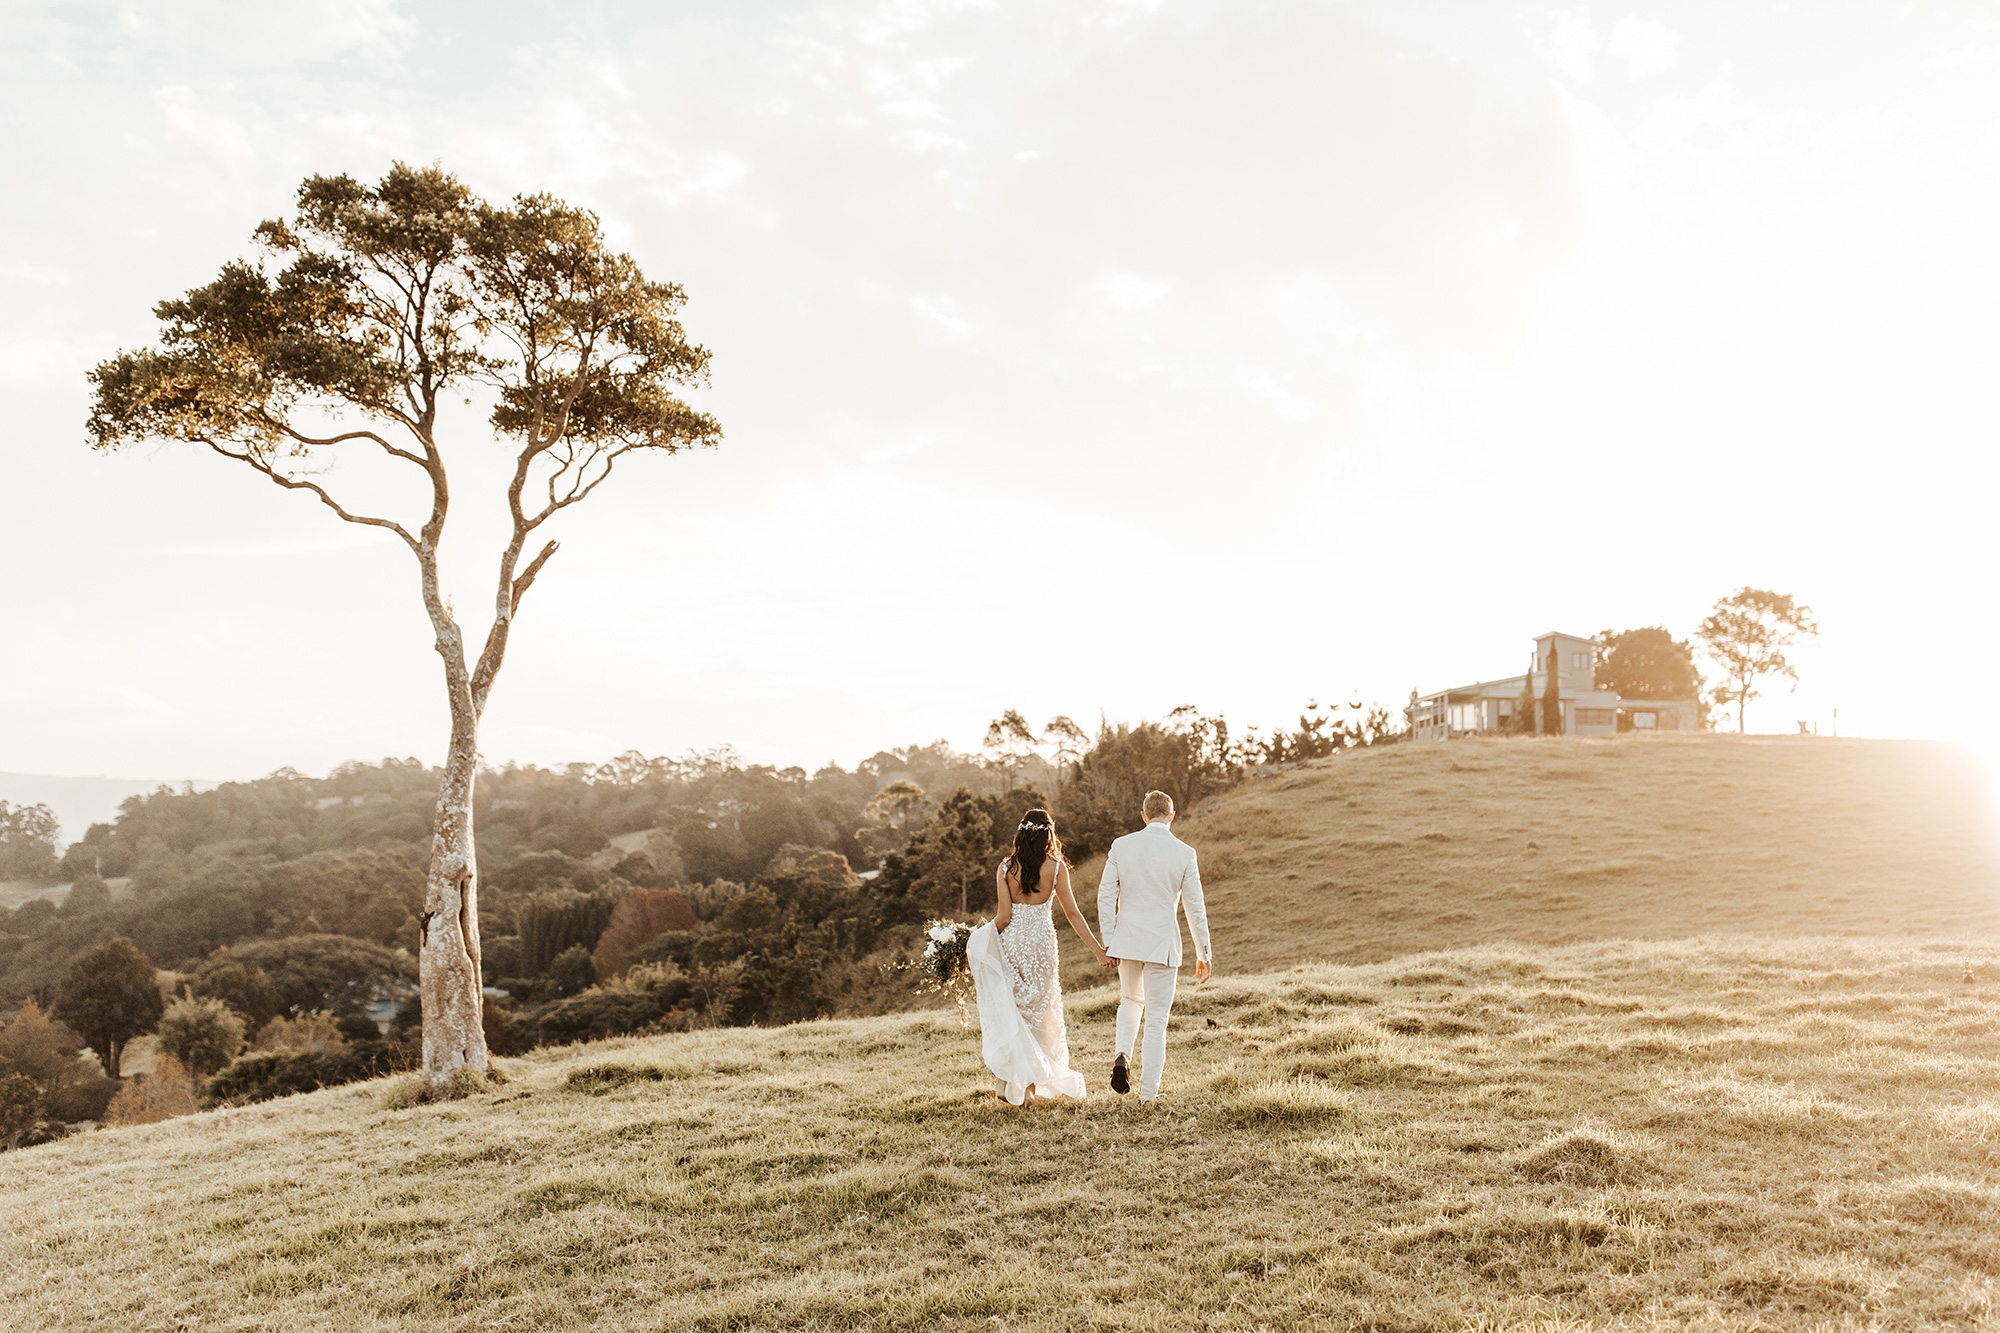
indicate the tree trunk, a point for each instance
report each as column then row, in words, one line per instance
column 449, row 963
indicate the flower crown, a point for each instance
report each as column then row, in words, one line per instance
column 1033, row 824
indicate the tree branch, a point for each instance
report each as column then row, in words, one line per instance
column 527, row 578
column 296, row 484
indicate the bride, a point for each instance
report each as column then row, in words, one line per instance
column 1014, row 968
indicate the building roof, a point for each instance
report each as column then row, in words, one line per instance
column 1558, row 634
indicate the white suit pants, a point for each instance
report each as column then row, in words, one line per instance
column 1145, row 990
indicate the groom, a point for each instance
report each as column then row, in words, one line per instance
column 1147, row 876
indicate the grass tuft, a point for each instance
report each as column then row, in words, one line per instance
column 600, row 1079
column 1292, row 1101
column 1584, row 1157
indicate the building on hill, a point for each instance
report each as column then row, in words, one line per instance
column 1489, row 707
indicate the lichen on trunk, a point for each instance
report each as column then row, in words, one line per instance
column 448, row 965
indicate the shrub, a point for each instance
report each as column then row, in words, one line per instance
column 571, row 972
column 202, row 1034
column 308, row 1034
column 147, row 1099
column 676, row 947
column 636, row 1001
column 263, row 1075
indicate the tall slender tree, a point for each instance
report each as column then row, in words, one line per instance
column 1552, row 704
column 386, row 301
column 1524, row 707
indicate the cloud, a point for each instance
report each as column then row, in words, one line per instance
column 1571, row 44
column 1646, row 47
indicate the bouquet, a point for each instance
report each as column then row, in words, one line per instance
column 944, row 957
column 943, row 964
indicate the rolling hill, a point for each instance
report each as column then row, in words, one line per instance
column 1404, row 848
column 1557, row 1036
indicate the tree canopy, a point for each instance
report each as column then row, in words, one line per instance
column 108, row 998
column 1750, row 634
column 1647, row 663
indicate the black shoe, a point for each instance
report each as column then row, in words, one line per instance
column 1121, row 1080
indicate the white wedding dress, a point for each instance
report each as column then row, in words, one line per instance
column 1021, row 1030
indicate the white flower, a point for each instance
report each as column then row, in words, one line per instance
column 943, row 934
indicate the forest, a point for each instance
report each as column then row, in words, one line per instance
column 631, row 895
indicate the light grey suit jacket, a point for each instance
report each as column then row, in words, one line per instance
column 1148, row 877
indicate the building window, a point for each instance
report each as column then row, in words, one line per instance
column 1578, row 661
column 1645, row 721
column 1596, row 717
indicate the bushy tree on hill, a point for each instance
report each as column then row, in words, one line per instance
column 334, row 974
column 245, row 989
column 27, row 841
column 108, row 998
column 392, row 298
column 1646, row 663
column 202, row 1034
column 1750, row 634
column 47, row 1052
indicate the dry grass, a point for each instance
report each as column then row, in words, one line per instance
column 1719, row 1133
column 1410, row 847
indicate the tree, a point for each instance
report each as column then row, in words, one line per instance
column 246, row 990
column 1524, row 707
column 639, row 918
column 87, row 893
column 47, row 1052
column 1069, row 741
column 202, row 1034
column 391, row 299
column 20, row 1108
column 552, row 923
column 335, row 974
column 1010, row 742
column 959, row 843
column 1552, row 707
column 1748, row 634
column 108, row 998
column 27, row 841
column 148, row 1099
column 1646, row 663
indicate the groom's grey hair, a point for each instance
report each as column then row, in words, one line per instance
column 1158, row 805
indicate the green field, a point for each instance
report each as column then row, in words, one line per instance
column 1470, row 1125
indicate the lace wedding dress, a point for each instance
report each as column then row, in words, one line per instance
column 1021, row 1030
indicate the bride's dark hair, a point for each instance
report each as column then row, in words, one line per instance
column 1035, row 841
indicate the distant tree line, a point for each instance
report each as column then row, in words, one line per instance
column 264, row 932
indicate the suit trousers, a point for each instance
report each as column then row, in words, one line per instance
column 1145, row 989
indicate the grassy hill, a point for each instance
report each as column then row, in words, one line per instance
column 1726, row 1133
column 1553, row 1035
column 1380, row 852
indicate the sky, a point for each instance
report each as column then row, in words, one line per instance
column 1087, row 357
